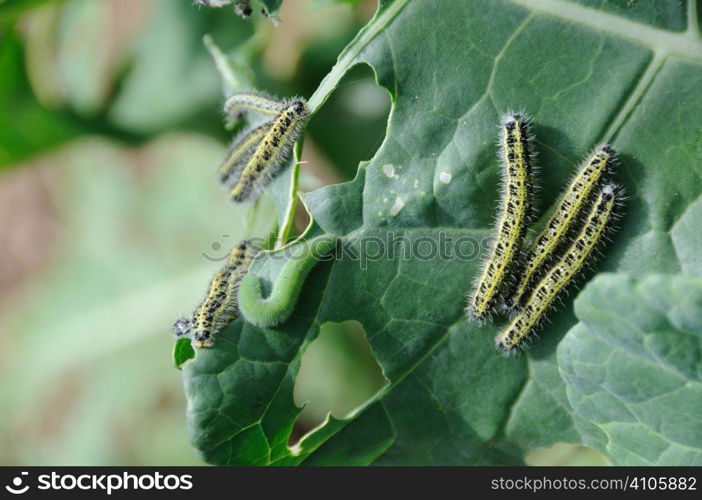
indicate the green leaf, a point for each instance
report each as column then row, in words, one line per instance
column 182, row 352
column 586, row 75
column 633, row 368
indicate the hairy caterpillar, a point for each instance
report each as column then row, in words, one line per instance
column 272, row 151
column 240, row 152
column 516, row 209
column 562, row 273
column 220, row 306
column 277, row 307
column 237, row 104
column 570, row 205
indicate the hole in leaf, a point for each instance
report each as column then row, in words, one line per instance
column 566, row 454
column 338, row 374
column 349, row 127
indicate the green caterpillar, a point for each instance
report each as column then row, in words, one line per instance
column 277, row 307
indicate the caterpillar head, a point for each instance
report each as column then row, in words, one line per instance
column 203, row 338
column 300, row 107
column 182, row 326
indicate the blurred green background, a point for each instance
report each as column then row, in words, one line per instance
column 112, row 221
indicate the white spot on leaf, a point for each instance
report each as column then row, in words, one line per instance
column 445, row 177
column 389, row 170
column 397, row 206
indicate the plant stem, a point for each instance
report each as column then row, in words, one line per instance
column 289, row 219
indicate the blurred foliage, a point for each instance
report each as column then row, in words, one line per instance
column 11, row 9
column 25, row 126
column 95, row 320
column 110, row 135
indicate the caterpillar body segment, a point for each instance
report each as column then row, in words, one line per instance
column 240, row 152
column 241, row 102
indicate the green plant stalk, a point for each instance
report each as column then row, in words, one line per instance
column 289, row 218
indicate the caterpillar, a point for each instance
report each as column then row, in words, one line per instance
column 220, row 306
column 577, row 194
column 237, row 104
column 277, row 307
column 240, row 152
column 272, row 151
column 517, row 191
column 561, row 274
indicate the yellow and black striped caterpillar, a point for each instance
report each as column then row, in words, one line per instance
column 541, row 299
column 258, row 154
column 220, row 307
column 516, row 210
column 573, row 201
